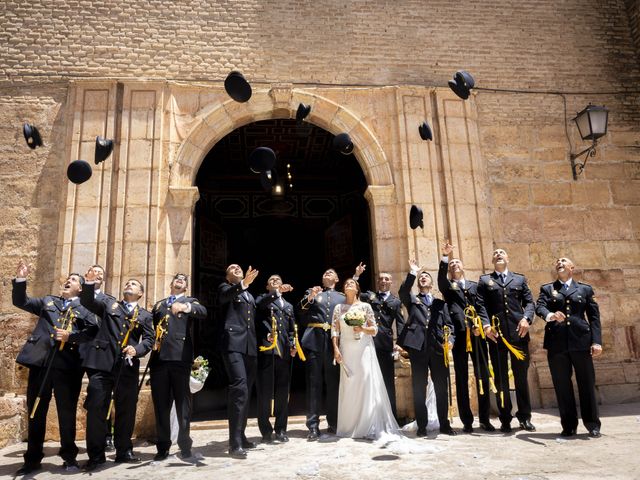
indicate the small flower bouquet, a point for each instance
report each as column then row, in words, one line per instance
column 199, row 372
column 355, row 318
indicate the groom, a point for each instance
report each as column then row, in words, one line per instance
column 423, row 337
column 317, row 305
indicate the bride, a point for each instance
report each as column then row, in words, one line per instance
column 364, row 410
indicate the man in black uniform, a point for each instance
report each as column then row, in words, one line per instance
column 100, row 296
column 423, row 336
column 572, row 336
column 238, row 343
column 387, row 309
column 63, row 324
column 460, row 293
column 509, row 305
column 170, row 364
column 274, row 359
column 112, row 365
column 317, row 305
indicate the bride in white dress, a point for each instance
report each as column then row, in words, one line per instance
column 364, row 410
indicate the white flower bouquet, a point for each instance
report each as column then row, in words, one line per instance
column 355, row 318
column 199, row 373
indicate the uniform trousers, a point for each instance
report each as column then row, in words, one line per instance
column 423, row 361
column 561, row 365
column 241, row 370
column 65, row 384
column 273, row 371
column 320, row 371
column 499, row 359
column 481, row 372
column 169, row 383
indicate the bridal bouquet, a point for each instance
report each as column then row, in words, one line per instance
column 355, row 318
column 199, row 372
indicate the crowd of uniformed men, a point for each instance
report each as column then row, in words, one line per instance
column 84, row 330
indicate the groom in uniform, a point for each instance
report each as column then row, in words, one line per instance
column 317, row 305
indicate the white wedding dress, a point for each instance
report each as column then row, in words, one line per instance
column 364, row 410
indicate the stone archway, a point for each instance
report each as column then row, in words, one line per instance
column 214, row 122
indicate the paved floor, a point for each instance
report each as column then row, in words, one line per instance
column 520, row 455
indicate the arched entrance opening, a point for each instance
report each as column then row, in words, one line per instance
column 320, row 219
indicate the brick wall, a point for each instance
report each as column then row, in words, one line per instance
column 572, row 45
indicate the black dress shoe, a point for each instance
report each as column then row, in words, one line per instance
column 595, row 433
column 331, row 430
column 422, row 432
column 448, row 431
column 28, row 468
column 467, row 429
column 314, row 434
column 246, row 444
column 161, row 456
column 267, row 438
column 568, row 432
column 127, row 457
column 92, row 464
column 487, row 427
column 505, row 428
column 282, row 437
column 186, row 454
column 238, row 453
column 528, row 426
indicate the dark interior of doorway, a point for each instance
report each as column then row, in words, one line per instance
column 320, row 220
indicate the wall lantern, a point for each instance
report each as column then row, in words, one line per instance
column 592, row 124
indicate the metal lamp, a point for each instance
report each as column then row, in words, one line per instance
column 592, row 124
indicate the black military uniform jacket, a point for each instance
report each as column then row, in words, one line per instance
column 237, row 314
column 509, row 301
column 104, row 351
column 51, row 315
column 319, row 311
column 458, row 298
column 425, row 324
column 581, row 328
column 386, row 312
column 177, row 344
column 268, row 307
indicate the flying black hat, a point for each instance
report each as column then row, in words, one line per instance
column 302, row 113
column 237, row 87
column 262, row 159
column 342, row 142
column 104, row 147
column 425, row 131
column 462, row 84
column 79, row 171
column 32, row 136
column 415, row 217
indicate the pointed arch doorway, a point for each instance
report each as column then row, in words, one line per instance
column 320, row 219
